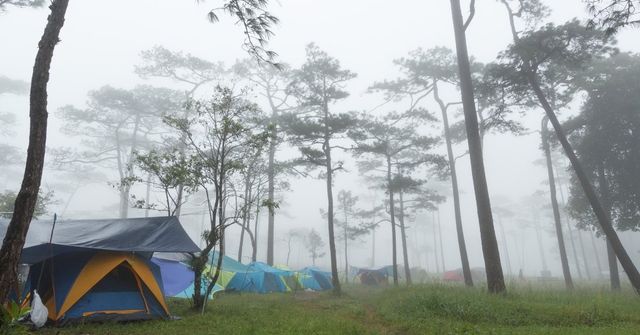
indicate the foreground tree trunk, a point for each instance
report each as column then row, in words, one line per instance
column 495, row 277
column 596, row 205
column 403, row 233
column 554, row 205
column 27, row 196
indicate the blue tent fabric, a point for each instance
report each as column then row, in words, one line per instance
column 315, row 279
column 259, row 277
column 176, row 276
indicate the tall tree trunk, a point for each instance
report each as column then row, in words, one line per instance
column 444, row 268
column 271, row 197
column 403, row 233
column 597, row 255
column 241, row 243
column 27, row 196
column 346, row 254
column 571, row 233
column 507, row 256
column 596, row 205
column 392, row 214
column 148, row 195
column 245, row 213
column 606, row 203
column 329, row 170
column 495, row 278
column 554, row 205
column 124, row 201
column 435, row 240
column 614, row 276
column 254, row 253
column 462, row 246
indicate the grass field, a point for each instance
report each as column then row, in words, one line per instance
column 422, row 309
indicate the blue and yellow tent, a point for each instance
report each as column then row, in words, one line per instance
column 102, row 269
column 99, row 285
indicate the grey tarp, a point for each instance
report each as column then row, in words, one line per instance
column 142, row 235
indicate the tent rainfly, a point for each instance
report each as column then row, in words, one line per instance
column 101, row 269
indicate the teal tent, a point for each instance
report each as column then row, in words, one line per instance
column 315, row 279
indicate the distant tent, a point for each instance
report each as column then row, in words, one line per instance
column 477, row 274
column 258, row 278
column 315, row 279
column 290, row 279
column 101, row 269
column 374, row 276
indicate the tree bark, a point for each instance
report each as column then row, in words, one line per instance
column 392, row 214
column 596, row 205
column 493, row 267
column 403, row 233
column 554, row 205
column 27, row 196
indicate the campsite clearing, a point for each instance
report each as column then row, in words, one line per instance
column 422, row 309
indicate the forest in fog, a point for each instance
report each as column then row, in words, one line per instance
column 485, row 143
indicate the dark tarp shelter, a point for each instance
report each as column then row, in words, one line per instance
column 101, row 269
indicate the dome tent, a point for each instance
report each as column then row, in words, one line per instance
column 101, row 269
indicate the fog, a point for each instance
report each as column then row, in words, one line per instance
column 101, row 44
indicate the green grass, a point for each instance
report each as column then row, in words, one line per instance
column 422, row 309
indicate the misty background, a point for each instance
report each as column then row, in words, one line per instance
column 101, row 45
